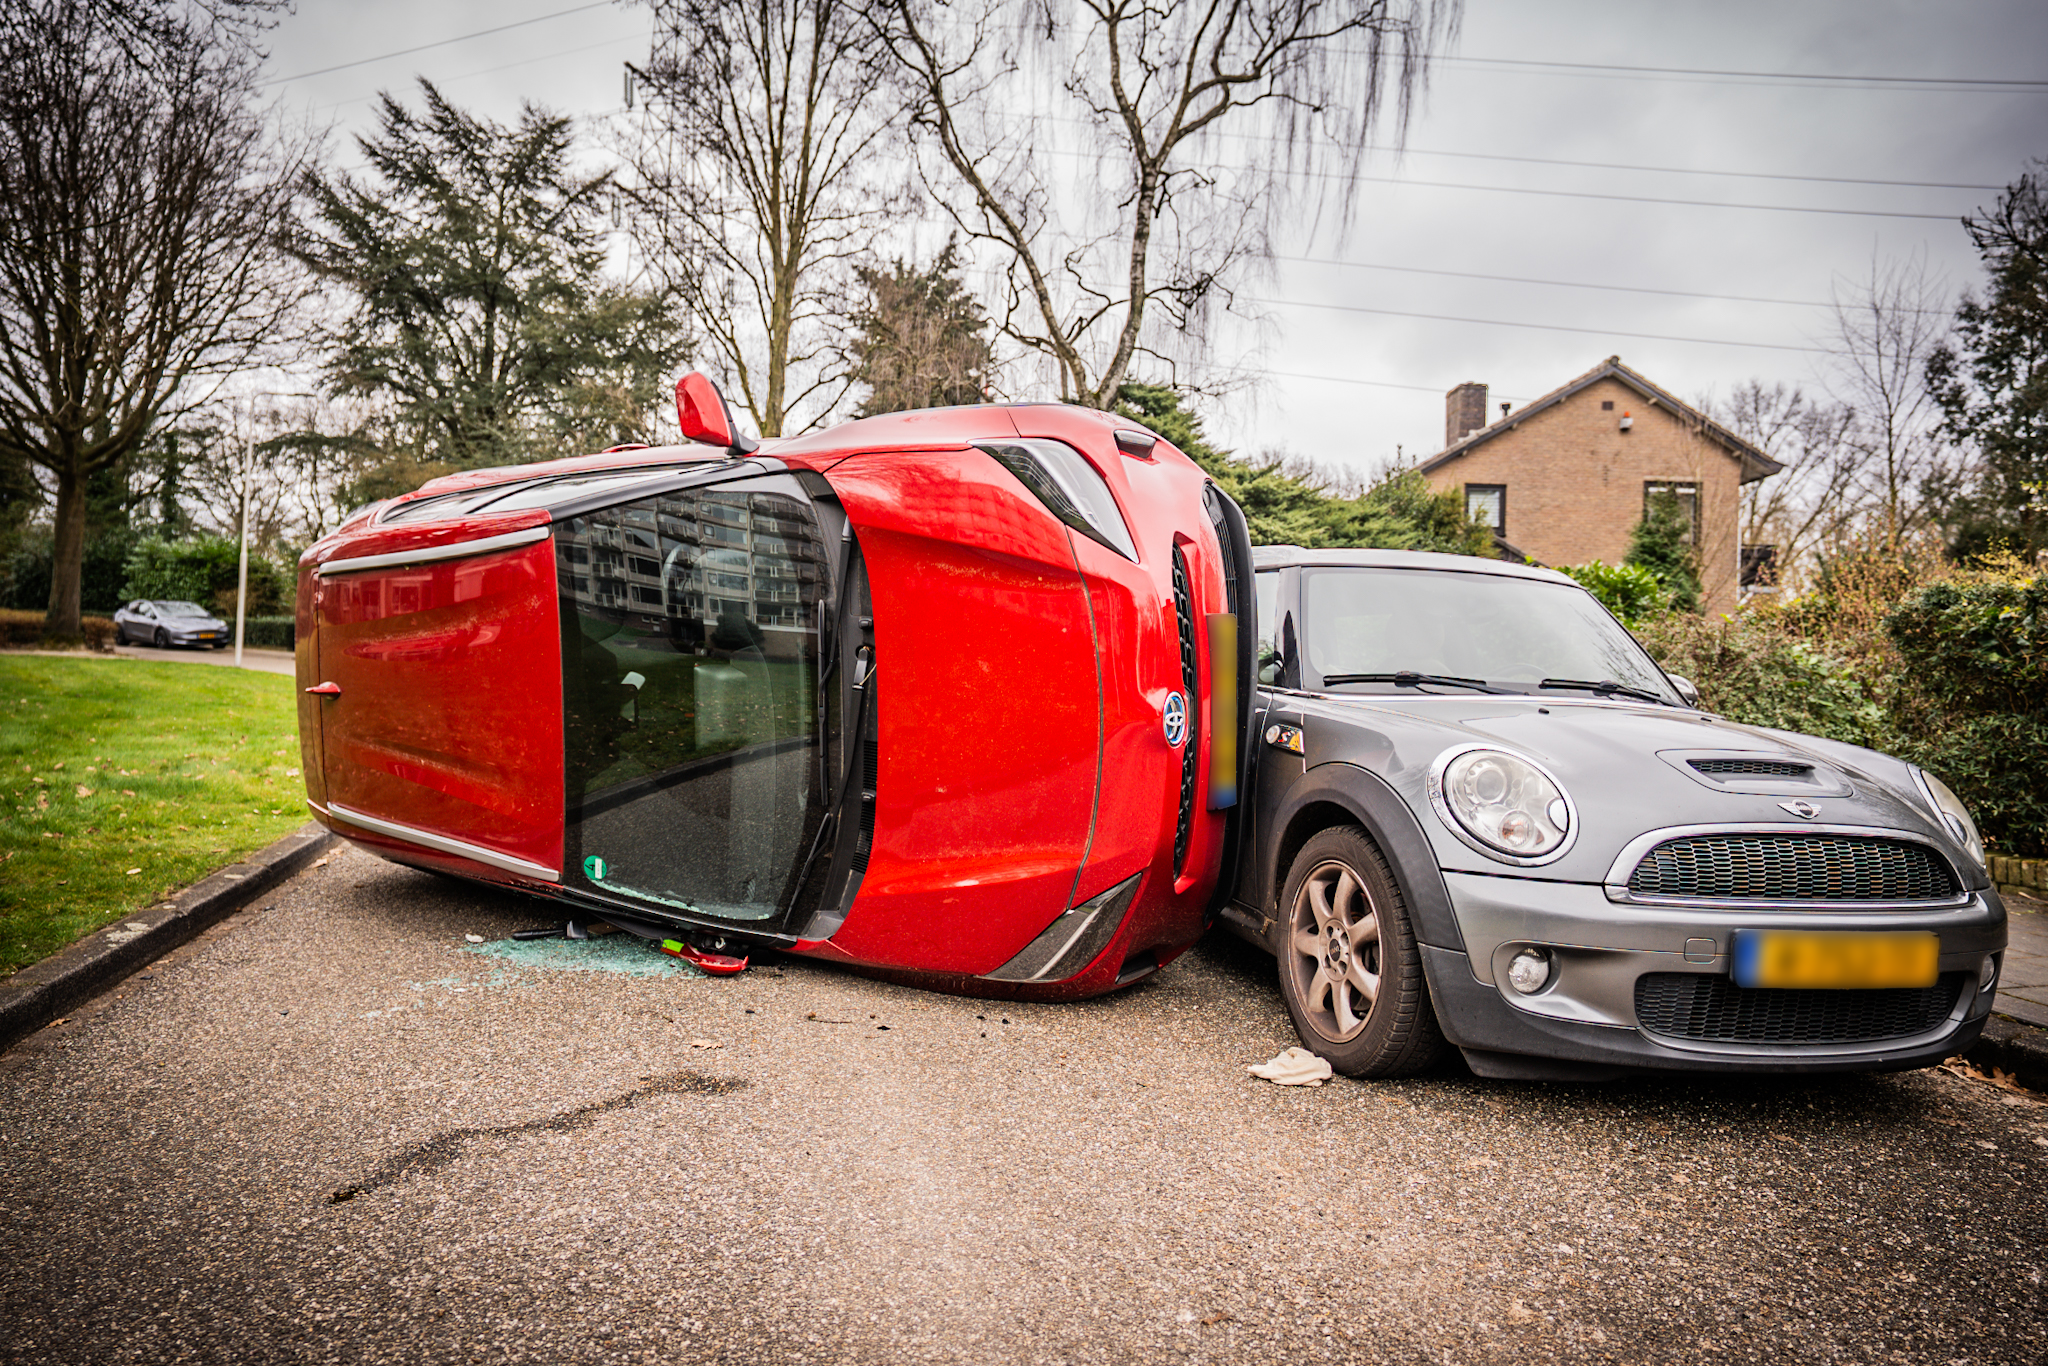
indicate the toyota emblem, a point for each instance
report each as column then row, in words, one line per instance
column 1174, row 715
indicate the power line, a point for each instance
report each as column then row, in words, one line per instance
column 493, row 70
column 1541, row 327
column 1590, row 165
column 1687, row 170
column 445, row 42
column 1571, row 284
column 1989, row 84
column 1297, row 172
column 1376, row 383
column 1639, row 199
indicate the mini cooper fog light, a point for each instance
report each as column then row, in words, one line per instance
column 1529, row 971
column 1988, row 974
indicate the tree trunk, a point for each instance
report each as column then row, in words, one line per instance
column 67, row 556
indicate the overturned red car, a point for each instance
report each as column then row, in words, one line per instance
column 953, row 695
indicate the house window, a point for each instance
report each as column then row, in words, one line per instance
column 1488, row 504
column 1688, row 496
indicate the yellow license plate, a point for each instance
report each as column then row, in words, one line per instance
column 1835, row 958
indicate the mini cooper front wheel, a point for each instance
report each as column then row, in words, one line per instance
column 1349, row 969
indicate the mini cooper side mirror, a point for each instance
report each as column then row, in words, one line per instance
column 1686, row 689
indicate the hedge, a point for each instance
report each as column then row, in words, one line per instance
column 269, row 633
column 203, row 570
column 1972, row 701
column 23, row 626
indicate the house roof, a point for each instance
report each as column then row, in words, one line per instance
column 1755, row 464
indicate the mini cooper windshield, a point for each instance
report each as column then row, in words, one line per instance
column 690, row 679
column 1433, row 631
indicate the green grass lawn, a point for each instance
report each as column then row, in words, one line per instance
column 122, row 781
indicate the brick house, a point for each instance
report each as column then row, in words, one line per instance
column 1564, row 479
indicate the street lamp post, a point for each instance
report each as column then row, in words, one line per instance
column 242, row 567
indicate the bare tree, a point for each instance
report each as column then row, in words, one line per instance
column 1149, row 91
column 757, row 183
column 137, row 200
column 1886, row 326
column 1818, row 500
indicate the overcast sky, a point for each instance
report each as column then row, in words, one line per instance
column 1362, row 337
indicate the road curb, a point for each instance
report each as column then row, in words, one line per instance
column 43, row 991
column 2017, row 1048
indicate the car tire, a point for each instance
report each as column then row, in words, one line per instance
column 162, row 642
column 1345, row 945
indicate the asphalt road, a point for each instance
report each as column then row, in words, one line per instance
column 329, row 1131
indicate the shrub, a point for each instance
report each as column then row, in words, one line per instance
column 1754, row 668
column 1631, row 592
column 203, row 570
column 1662, row 544
column 1973, row 697
column 268, row 633
column 24, row 626
column 25, row 575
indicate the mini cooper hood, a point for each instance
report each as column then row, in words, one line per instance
column 1629, row 769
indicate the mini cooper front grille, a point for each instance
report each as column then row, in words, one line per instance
column 1753, row 768
column 1184, row 612
column 1712, row 1009
column 1793, row 868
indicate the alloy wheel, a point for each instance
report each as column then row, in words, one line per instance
column 1334, row 940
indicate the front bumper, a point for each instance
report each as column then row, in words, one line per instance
column 1586, row 1015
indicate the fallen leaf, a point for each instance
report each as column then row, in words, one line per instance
column 1220, row 1316
column 84, row 791
column 474, row 938
column 133, row 871
column 126, row 793
column 317, row 863
column 706, row 1043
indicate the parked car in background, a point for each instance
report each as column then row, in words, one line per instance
column 952, row 695
column 167, row 623
column 1481, row 816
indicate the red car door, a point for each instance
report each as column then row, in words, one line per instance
column 441, row 719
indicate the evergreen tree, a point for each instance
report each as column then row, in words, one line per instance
column 1284, row 507
column 481, row 313
column 1662, row 544
column 920, row 341
column 1993, row 385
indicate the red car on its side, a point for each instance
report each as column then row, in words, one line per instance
column 954, row 695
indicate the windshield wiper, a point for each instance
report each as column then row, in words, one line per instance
column 1408, row 678
column 1606, row 685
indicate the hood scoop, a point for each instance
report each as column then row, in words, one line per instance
column 1756, row 774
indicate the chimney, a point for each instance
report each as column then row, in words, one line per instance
column 1464, row 411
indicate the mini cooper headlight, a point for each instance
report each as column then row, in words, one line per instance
column 1502, row 805
column 1953, row 813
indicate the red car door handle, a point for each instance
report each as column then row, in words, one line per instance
column 325, row 690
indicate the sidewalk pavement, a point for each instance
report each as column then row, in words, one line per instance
column 267, row 661
column 2023, row 984
column 264, row 661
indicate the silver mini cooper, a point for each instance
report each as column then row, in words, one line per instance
column 1481, row 816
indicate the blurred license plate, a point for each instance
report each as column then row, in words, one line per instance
column 1834, row 958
